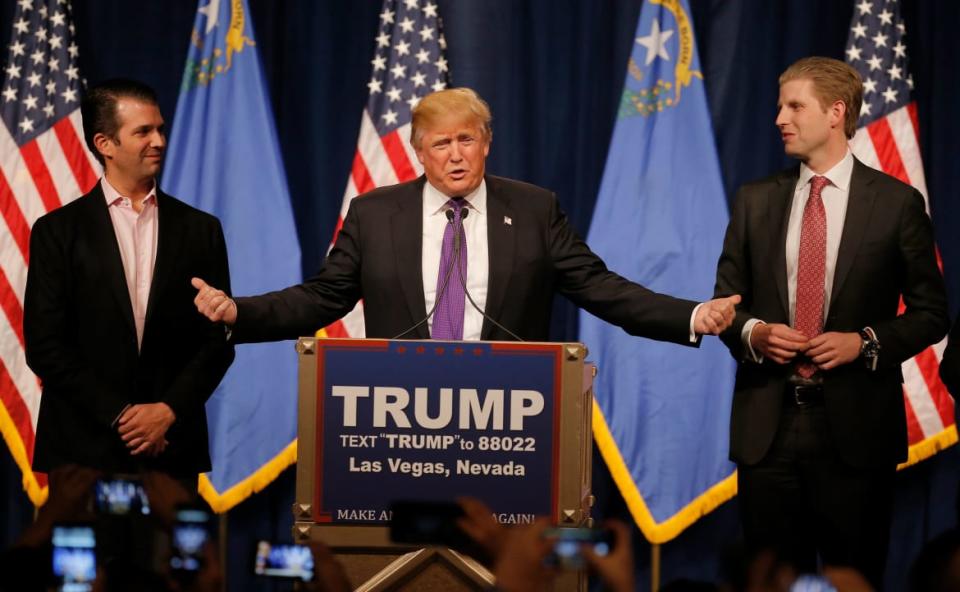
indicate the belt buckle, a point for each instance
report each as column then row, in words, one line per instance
column 799, row 398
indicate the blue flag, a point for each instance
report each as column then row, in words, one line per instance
column 224, row 158
column 662, row 411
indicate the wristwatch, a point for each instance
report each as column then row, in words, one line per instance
column 869, row 348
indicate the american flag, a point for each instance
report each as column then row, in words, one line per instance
column 409, row 63
column 887, row 139
column 43, row 165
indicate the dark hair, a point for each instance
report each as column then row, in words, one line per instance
column 99, row 107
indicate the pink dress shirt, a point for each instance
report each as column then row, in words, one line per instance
column 137, row 238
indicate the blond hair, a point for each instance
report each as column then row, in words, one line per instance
column 833, row 80
column 461, row 101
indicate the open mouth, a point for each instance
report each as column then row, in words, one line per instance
column 458, row 174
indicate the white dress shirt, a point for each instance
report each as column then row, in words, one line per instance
column 478, row 261
column 835, row 196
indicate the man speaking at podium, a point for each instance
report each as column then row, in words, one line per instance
column 427, row 256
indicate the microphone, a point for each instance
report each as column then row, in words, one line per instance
column 446, row 275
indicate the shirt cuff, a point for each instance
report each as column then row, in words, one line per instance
column 693, row 318
column 745, row 336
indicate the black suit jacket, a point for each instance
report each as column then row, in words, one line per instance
column 377, row 257
column 81, row 339
column 886, row 250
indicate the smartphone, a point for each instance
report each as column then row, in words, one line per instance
column 191, row 532
column 121, row 496
column 426, row 523
column 74, row 557
column 283, row 561
column 568, row 542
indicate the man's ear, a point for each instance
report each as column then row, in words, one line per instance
column 105, row 145
column 838, row 112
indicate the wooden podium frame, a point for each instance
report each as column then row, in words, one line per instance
column 366, row 550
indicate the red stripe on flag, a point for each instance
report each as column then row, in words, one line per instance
column 930, row 369
column 336, row 330
column 393, row 146
column 914, row 431
column 361, row 176
column 75, row 155
column 17, row 409
column 11, row 306
column 41, row 175
column 16, row 222
column 887, row 151
column 912, row 112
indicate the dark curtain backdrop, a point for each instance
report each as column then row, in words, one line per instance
column 552, row 72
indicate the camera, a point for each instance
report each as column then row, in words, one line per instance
column 74, row 559
column 191, row 533
column 283, row 561
column 121, row 496
column 568, row 542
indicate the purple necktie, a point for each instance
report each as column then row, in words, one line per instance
column 448, row 318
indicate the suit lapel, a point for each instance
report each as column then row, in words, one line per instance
column 169, row 241
column 407, row 235
column 859, row 205
column 104, row 239
column 501, row 244
column 780, row 207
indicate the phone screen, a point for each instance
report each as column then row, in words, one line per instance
column 121, row 496
column 191, row 532
column 568, row 542
column 284, row 561
column 74, row 558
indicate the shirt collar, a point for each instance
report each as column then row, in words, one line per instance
column 435, row 202
column 839, row 175
column 113, row 196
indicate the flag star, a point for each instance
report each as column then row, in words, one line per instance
column 394, row 94
column 10, row 94
column 69, row 95
column 423, row 56
column 43, row 10
column 430, row 10
column 16, row 48
column 379, row 63
column 889, row 95
column 26, row 125
column 900, row 49
column 411, row 4
column 426, row 33
column 880, row 40
column 55, row 42
column 438, row 86
column 399, row 71
column 406, row 25
column 853, row 53
column 51, row 87
column 874, row 62
column 72, row 73
column 859, row 30
column 41, row 34
column 30, row 102
column 894, row 73
column 25, row 4
column 49, row 110
column 413, row 100
column 22, row 26
column 441, row 64
column 865, row 7
column 442, row 41
column 54, row 64
column 864, row 109
column 901, row 27
column 72, row 50
column 58, row 19
column 13, row 71
column 383, row 40
column 387, row 16
column 403, row 48
column 374, row 86
column 37, row 56
column 418, row 79
column 390, row 117
column 910, row 81
column 656, row 43
column 34, row 79
column 886, row 17
column 869, row 85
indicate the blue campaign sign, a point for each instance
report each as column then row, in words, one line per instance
column 430, row 421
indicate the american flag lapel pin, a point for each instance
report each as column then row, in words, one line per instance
column 508, row 220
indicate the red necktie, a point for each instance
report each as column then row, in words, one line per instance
column 811, row 269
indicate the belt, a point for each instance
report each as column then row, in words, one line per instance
column 804, row 396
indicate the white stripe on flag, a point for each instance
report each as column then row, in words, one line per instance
column 77, row 122
column 12, row 263
column 371, row 150
column 60, row 172
column 404, row 132
column 906, row 139
column 921, row 402
column 862, row 147
column 23, row 379
column 19, row 178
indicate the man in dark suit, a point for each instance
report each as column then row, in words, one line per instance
column 822, row 254
column 463, row 235
column 126, row 362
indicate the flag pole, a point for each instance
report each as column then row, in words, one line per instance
column 655, row 567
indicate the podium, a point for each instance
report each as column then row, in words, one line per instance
column 388, row 420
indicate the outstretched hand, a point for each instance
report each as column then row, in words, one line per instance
column 213, row 303
column 714, row 316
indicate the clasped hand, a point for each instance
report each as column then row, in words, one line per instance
column 782, row 344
